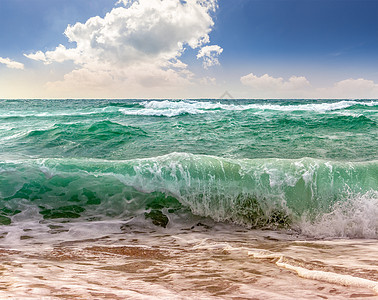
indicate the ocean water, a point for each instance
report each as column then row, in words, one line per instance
column 175, row 199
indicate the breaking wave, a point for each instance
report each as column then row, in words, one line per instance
column 170, row 108
column 316, row 197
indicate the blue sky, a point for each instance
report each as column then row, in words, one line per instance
column 258, row 49
column 309, row 36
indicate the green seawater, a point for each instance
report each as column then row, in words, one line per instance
column 260, row 163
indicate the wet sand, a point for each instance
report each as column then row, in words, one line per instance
column 216, row 261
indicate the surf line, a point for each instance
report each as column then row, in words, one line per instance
column 330, row 277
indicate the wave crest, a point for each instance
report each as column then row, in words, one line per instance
column 255, row 193
column 170, row 108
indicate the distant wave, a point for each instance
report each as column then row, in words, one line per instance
column 170, row 108
column 48, row 114
column 97, row 138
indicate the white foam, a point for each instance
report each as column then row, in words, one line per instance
column 356, row 217
column 31, row 113
column 170, row 108
column 158, row 113
column 330, row 277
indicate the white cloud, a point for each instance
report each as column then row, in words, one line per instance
column 208, row 81
column 359, row 86
column 11, row 63
column 269, row 83
column 351, row 88
column 138, row 44
column 60, row 54
column 210, row 54
column 39, row 55
column 299, row 87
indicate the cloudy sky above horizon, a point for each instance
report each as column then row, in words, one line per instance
column 188, row 49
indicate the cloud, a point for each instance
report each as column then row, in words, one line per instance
column 209, row 54
column 356, row 86
column 37, row 56
column 206, row 81
column 137, row 44
column 300, row 87
column 11, row 63
column 351, row 88
column 269, row 83
column 60, row 54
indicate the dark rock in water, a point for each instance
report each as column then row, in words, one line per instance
column 64, row 212
column 156, row 203
column 250, row 211
column 160, row 201
column 254, row 211
column 279, row 218
column 157, row 217
column 200, row 224
column 4, row 220
column 6, row 213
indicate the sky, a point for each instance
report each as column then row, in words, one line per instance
column 189, row 48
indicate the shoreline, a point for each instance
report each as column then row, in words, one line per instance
column 221, row 261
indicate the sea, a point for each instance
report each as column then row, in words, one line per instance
column 183, row 199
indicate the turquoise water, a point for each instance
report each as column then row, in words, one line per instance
column 259, row 163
